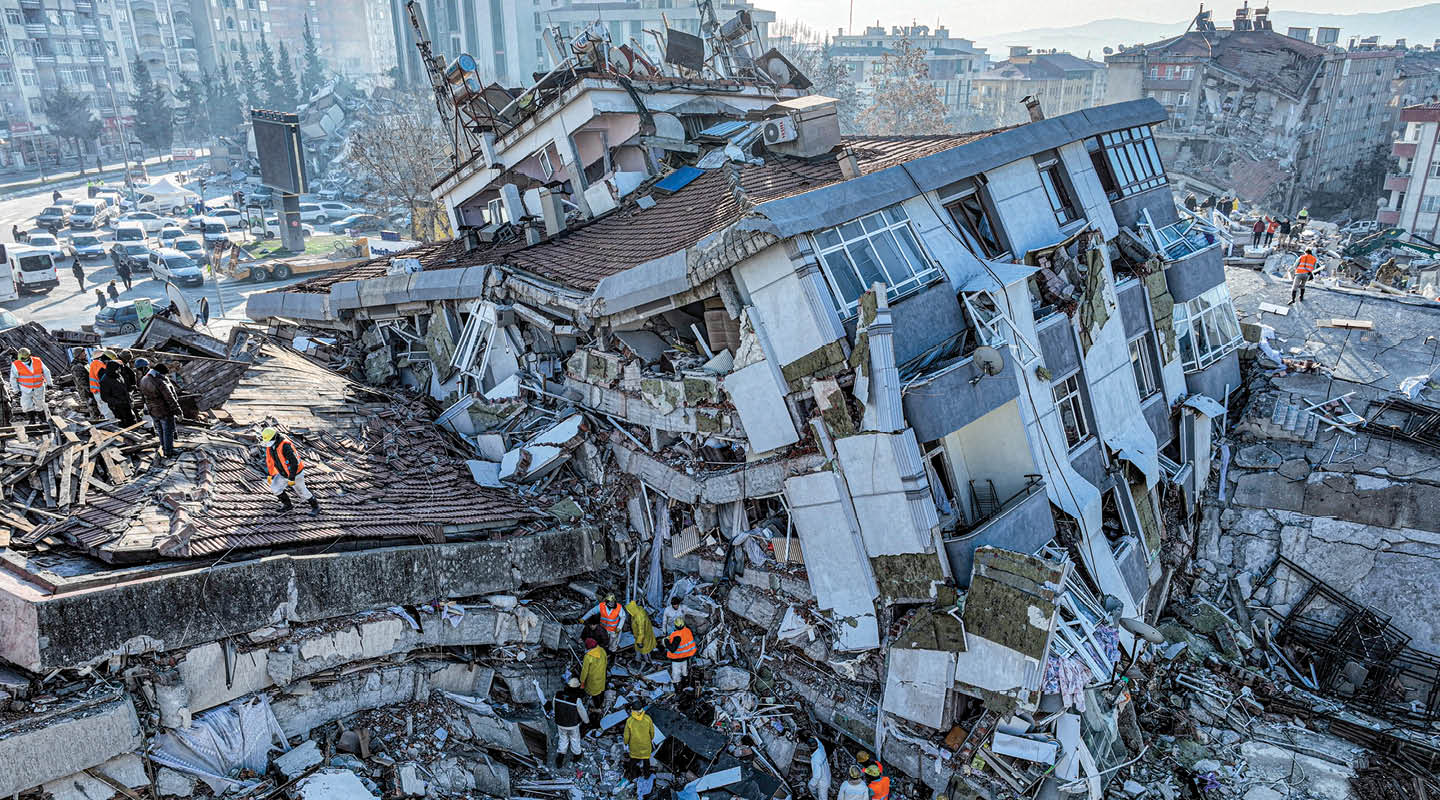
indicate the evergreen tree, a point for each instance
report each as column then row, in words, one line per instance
column 71, row 118
column 192, row 113
column 247, row 83
column 154, row 121
column 313, row 75
column 286, row 94
column 224, row 102
column 269, row 90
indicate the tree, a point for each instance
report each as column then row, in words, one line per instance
column 70, row 116
column 402, row 154
column 154, row 121
column 247, row 83
column 269, row 77
column 285, row 94
column 192, row 113
column 905, row 102
column 313, row 75
column 224, row 102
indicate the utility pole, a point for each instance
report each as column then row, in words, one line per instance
column 120, row 128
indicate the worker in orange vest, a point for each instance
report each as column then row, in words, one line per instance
column 98, row 363
column 680, row 647
column 285, row 469
column 28, row 378
column 1304, row 268
column 879, row 784
column 612, row 618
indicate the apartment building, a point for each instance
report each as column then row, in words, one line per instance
column 1411, row 198
column 47, row 45
column 1061, row 81
column 953, row 63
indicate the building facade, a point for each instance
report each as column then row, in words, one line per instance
column 1411, row 198
column 953, row 63
column 75, row 45
column 1060, row 81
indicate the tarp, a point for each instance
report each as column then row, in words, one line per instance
column 165, row 187
column 1205, row 405
column 222, row 742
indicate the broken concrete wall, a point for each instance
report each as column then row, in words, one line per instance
column 774, row 291
column 67, row 745
column 838, row 567
column 890, row 492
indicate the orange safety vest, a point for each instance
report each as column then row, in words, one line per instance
column 1305, row 265
column 272, row 465
column 31, row 377
column 610, row 615
column 95, row 367
column 685, row 648
column 880, row 788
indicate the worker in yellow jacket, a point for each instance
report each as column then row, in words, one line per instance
column 641, row 627
column 593, row 671
column 640, row 739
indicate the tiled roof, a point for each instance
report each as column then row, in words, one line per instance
column 630, row 235
column 377, row 464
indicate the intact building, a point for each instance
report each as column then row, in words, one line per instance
column 953, row 63
column 1061, row 81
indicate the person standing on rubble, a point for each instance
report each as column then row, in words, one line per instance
column 161, row 403
column 1271, row 226
column 854, row 788
column 1284, row 231
column 879, row 783
column 567, row 708
column 286, row 469
column 672, row 612
column 593, row 670
column 115, row 394
column 1257, row 231
column 28, row 378
column 680, row 646
column 612, row 618
column 98, row 363
column 1304, row 268
column 640, row 739
column 641, row 627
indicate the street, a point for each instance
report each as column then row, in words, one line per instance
column 66, row 306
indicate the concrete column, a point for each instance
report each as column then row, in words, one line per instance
column 923, row 514
column 812, row 281
column 883, row 409
column 571, row 154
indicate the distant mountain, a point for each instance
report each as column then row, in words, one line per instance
column 1418, row 25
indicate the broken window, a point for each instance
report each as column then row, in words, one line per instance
column 876, row 248
column 1206, row 328
column 1140, row 349
column 996, row 328
column 1057, row 188
column 1126, row 161
column 975, row 215
column 1072, row 411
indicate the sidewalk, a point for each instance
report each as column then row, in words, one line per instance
column 15, row 186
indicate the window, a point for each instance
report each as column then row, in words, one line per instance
column 1188, row 73
column 37, row 106
column 12, row 16
column 1057, row 188
column 29, row 77
column 1072, row 411
column 1205, row 328
column 1144, row 369
column 1126, row 161
column 975, row 217
column 7, row 78
column 1182, row 99
column 877, row 248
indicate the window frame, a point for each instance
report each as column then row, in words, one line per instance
column 1132, row 161
column 1146, row 381
column 976, row 190
column 1066, row 392
column 1059, row 189
column 891, row 224
column 1206, row 328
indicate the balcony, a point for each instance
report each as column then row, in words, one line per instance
column 1403, row 149
column 1023, row 523
column 1389, row 217
column 84, row 6
column 1397, row 183
column 943, row 392
column 37, row 29
column 90, row 31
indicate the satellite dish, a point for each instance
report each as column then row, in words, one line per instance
column 989, row 360
column 1144, row 630
column 181, row 305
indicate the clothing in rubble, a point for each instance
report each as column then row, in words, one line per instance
column 641, row 627
column 162, row 403
column 28, row 378
column 283, row 465
column 640, row 742
column 115, row 394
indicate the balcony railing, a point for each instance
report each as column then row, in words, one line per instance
column 1024, row 523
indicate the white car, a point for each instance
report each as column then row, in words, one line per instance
column 150, row 221
column 46, row 243
column 168, row 234
column 176, row 267
column 326, row 210
column 214, row 230
column 190, row 246
column 272, row 228
column 130, row 232
column 234, row 218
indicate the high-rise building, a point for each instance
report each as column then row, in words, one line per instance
column 1060, row 81
column 953, row 63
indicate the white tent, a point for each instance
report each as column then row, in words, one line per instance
column 163, row 195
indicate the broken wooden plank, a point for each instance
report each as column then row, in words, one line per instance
column 1353, row 324
column 1283, row 311
column 67, row 475
column 85, row 472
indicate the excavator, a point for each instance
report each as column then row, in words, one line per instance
column 1392, row 238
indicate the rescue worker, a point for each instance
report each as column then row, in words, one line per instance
column 672, row 612
column 612, row 617
column 28, row 378
column 285, row 469
column 115, row 394
column 592, row 673
column 879, row 783
column 863, row 759
column 567, row 708
column 680, row 646
column 99, row 362
column 641, row 627
column 162, row 403
column 854, row 788
column 1304, row 268
column 640, row 739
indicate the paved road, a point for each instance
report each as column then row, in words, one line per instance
column 67, row 307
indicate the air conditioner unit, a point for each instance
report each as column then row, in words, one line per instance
column 780, row 129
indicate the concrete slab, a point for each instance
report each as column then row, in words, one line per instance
column 68, row 746
column 334, row 784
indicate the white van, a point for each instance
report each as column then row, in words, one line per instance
column 215, row 230
column 90, row 214
column 130, row 232
column 33, row 271
column 8, row 290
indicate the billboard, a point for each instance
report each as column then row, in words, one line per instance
column 277, row 145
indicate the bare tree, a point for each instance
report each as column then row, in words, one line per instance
column 905, row 103
column 404, row 154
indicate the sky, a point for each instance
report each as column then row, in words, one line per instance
column 975, row 20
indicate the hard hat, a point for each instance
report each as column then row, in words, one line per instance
column 610, row 598
column 142, row 363
column 573, row 683
column 862, row 756
column 854, row 771
column 873, row 770
column 679, row 622
column 23, row 353
column 108, row 353
column 267, row 434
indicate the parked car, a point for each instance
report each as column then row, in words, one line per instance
column 234, row 218
column 88, row 247
column 135, row 254
column 31, row 271
column 123, row 317
column 191, row 246
column 91, row 214
column 358, row 222
column 214, row 231
column 130, row 232
column 148, row 220
column 53, row 218
column 46, row 243
column 168, row 234
column 176, row 267
column 272, row 228
column 1360, row 227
